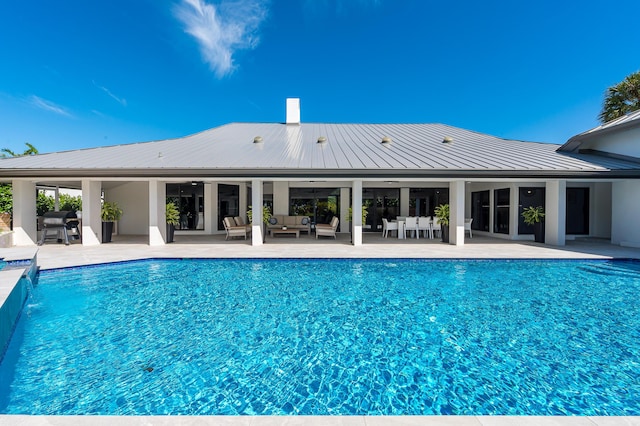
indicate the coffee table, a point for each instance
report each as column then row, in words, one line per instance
column 289, row 231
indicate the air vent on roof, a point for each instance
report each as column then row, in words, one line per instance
column 322, row 139
column 447, row 139
column 386, row 140
column 257, row 139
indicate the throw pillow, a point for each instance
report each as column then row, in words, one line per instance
column 304, row 221
column 273, row 220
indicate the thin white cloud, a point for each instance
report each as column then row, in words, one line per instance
column 98, row 113
column 46, row 105
column 222, row 29
column 121, row 101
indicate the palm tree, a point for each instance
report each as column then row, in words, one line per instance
column 622, row 98
column 7, row 153
column 6, row 195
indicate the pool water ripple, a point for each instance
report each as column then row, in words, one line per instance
column 334, row 336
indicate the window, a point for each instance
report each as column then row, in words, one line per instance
column 423, row 201
column 480, row 211
column 529, row 197
column 228, row 202
column 577, row 221
column 501, row 211
column 189, row 198
column 320, row 204
column 381, row 203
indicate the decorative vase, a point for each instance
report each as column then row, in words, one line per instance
column 171, row 228
column 444, row 230
column 538, row 232
column 107, row 230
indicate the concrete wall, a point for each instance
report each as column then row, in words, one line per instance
column 599, row 207
column 133, row 199
column 625, row 200
column 600, row 214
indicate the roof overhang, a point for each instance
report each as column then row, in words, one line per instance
column 111, row 174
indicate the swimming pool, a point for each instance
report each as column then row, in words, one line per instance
column 340, row 336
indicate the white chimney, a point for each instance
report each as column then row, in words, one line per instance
column 293, row 110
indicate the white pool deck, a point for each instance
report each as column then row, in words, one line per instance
column 129, row 248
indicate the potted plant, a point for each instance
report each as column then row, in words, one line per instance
column 110, row 212
column 266, row 215
column 534, row 216
column 172, row 216
column 365, row 212
column 442, row 215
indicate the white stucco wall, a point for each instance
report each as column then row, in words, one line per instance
column 600, row 214
column 622, row 143
column 625, row 212
column 133, row 199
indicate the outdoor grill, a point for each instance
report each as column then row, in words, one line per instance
column 58, row 224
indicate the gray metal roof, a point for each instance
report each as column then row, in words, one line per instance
column 627, row 121
column 416, row 150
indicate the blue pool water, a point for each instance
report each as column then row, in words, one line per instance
column 329, row 337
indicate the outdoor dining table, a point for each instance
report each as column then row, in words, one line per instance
column 402, row 232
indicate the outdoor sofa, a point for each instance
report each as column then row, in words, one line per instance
column 302, row 223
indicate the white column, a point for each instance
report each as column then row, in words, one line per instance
column 356, row 213
column 91, row 206
column 514, row 210
column 456, row 214
column 210, row 208
column 345, row 198
column 242, row 199
column 25, row 230
column 256, row 208
column 280, row 198
column 555, row 212
column 56, row 199
column 404, row 201
column 157, row 213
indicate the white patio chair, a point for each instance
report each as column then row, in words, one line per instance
column 424, row 225
column 411, row 225
column 467, row 226
column 436, row 228
column 388, row 226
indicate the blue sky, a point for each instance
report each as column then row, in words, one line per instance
column 77, row 73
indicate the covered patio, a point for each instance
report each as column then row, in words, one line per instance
column 325, row 170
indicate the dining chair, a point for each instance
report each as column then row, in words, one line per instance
column 467, row 226
column 436, row 228
column 424, row 225
column 388, row 226
column 411, row 225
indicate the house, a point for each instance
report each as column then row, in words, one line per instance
column 588, row 186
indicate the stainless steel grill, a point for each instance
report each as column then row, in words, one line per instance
column 63, row 225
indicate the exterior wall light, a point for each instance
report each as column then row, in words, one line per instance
column 257, row 139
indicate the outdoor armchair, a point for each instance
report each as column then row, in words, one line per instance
column 327, row 230
column 234, row 230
